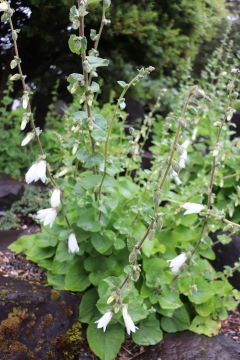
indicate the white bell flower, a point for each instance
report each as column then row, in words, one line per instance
column 192, row 208
column 37, row 172
column 56, row 198
column 129, row 324
column 47, row 216
column 103, row 322
column 28, row 138
column 4, row 6
column 176, row 178
column 194, row 134
column 177, row 263
column 72, row 244
column 183, row 159
column 184, row 155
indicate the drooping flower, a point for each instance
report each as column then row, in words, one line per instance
column 4, row 6
column 37, row 172
column 103, row 322
column 184, row 154
column 129, row 324
column 192, row 208
column 25, row 100
column 72, row 244
column 56, row 198
column 177, row 263
column 47, row 216
column 28, row 138
column 194, row 134
column 176, row 178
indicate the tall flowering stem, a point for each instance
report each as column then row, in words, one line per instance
column 25, row 88
column 104, row 21
column 28, row 104
column 82, row 5
column 121, row 103
column 151, row 226
column 213, row 169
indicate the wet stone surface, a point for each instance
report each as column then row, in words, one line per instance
column 189, row 346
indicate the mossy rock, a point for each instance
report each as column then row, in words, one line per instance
column 37, row 322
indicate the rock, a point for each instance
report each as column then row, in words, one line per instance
column 236, row 125
column 190, row 346
column 227, row 255
column 147, row 159
column 134, row 109
column 37, row 322
column 10, row 191
column 7, row 237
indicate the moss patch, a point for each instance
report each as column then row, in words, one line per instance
column 69, row 343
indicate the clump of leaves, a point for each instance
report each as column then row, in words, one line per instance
column 124, row 240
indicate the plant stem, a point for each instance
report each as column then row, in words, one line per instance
column 231, row 176
column 222, row 218
column 25, row 88
column 212, row 177
column 159, row 188
column 86, row 80
column 29, row 109
column 109, row 131
column 100, row 30
column 96, row 43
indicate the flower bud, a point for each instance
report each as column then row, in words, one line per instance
column 25, row 100
column 28, row 138
column 110, row 299
column 106, row 4
column 235, row 71
column 199, row 93
column 4, row 6
column 15, row 77
column 106, row 21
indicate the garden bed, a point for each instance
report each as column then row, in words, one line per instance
column 17, row 268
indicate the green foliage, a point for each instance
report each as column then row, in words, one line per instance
column 107, row 344
column 167, row 33
column 13, row 162
column 32, row 198
column 149, row 332
column 128, row 222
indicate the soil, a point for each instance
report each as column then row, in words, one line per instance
column 231, row 326
column 16, row 266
